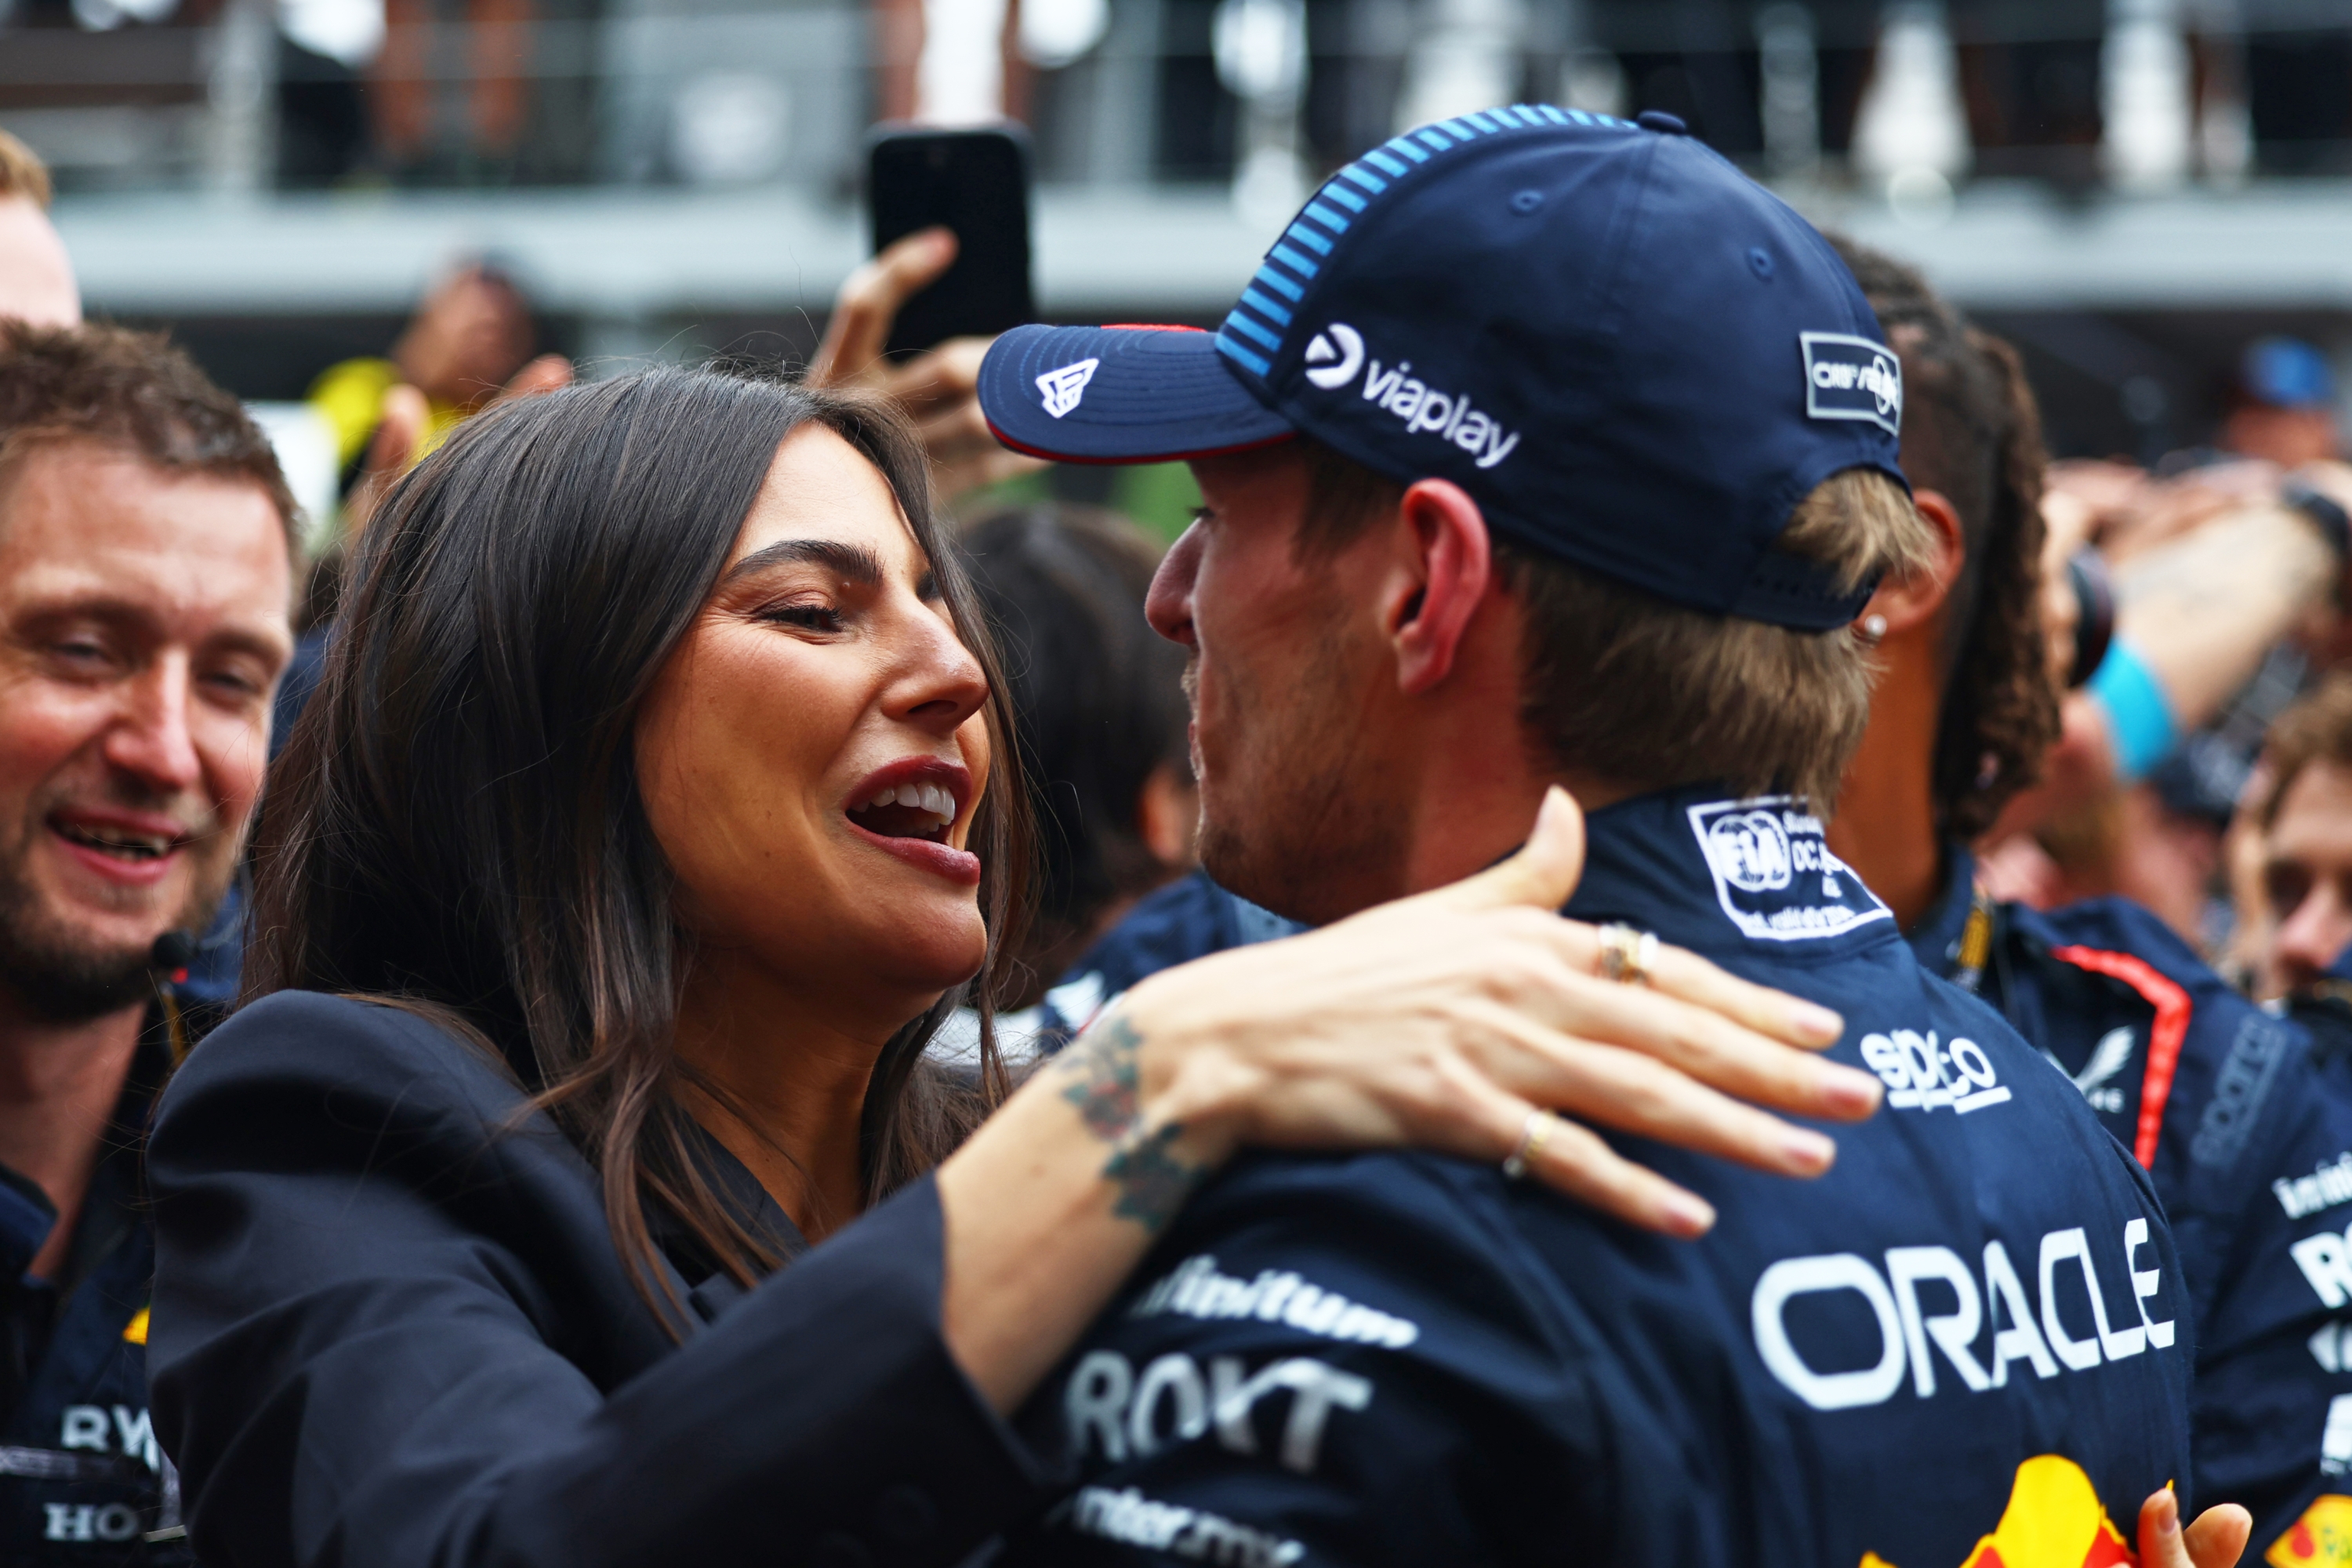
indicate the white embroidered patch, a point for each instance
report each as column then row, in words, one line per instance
column 1064, row 387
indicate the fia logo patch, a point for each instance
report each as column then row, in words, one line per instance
column 1848, row 377
column 1774, row 875
column 1064, row 387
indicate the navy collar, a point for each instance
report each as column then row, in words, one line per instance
column 1936, row 939
column 1721, row 875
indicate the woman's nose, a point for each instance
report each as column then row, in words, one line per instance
column 944, row 684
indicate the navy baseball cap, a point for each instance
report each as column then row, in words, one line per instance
column 1629, row 354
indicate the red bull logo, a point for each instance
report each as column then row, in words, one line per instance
column 2053, row 1520
column 2321, row 1538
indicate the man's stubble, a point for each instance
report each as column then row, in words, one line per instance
column 1296, row 815
column 63, row 976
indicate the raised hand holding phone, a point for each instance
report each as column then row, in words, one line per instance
column 951, row 214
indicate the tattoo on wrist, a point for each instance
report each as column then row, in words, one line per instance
column 1107, row 1091
column 1153, row 1180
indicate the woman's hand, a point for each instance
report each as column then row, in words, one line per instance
column 1443, row 1021
column 1436, row 1022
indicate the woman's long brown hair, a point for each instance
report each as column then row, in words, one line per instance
column 456, row 826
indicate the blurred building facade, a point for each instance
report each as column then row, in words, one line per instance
column 2132, row 188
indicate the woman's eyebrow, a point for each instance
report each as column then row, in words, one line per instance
column 853, row 562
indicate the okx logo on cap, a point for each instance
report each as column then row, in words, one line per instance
column 1852, row 378
column 1630, row 356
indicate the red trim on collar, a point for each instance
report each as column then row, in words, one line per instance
column 2164, row 1036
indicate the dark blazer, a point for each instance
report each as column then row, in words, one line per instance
column 387, row 1331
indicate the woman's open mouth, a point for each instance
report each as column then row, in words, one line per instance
column 908, row 808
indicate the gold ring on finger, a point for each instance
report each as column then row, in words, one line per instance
column 1532, row 1135
column 1627, row 956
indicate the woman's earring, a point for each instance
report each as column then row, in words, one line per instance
column 1874, row 628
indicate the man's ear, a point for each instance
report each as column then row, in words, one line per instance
column 1445, row 564
column 1908, row 601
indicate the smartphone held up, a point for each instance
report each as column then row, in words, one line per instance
column 974, row 183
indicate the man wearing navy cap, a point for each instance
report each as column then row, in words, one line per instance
column 1545, row 448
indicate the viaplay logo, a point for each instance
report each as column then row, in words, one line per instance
column 1336, row 356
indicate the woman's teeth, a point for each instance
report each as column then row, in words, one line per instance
column 907, row 811
column 930, row 798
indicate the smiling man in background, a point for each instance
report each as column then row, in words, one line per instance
column 146, row 570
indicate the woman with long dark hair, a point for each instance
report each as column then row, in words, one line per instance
column 654, row 809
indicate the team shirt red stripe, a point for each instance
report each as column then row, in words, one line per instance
column 2164, row 1036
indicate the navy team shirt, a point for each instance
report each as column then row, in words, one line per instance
column 1969, row 1342
column 83, row 1481
column 2246, row 1126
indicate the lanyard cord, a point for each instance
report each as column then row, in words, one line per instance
column 1976, row 943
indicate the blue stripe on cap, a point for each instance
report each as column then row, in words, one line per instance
column 1436, row 141
column 1411, row 149
column 1459, row 130
column 1292, row 259
column 1279, row 284
column 1528, row 116
column 1480, row 121
column 1265, row 307
column 1325, row 216
column 1552, row 114
column 1581, row 117
column 1381, row 160
column 1357, row 174
column 1309, row 238
column 1237, row 321
column 1232, row 350
column 1344, row 197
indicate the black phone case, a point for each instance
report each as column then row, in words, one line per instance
column 977, row 184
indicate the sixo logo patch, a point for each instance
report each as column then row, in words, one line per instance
column 1848, row 377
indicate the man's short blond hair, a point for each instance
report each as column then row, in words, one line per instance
column 1621, row 685
column 22, row 173
column 1626, row 687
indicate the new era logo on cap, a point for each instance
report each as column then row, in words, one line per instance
column 1064, row 387
column 1852, row 378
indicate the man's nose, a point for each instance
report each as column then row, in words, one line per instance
column 1168, row 606
column 2313, row 935
column 151, row 738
